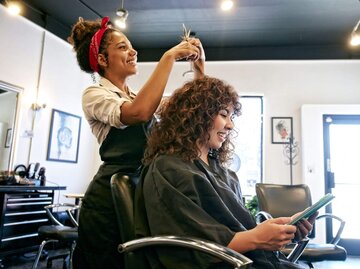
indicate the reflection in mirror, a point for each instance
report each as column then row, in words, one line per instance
column 9, row 96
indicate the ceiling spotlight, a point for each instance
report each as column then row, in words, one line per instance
column 121, row 12
column 227, row 5
column 122, row 16
column 121, row 23
column 14, row 7
column 355, row 35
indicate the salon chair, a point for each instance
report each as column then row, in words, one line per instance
column 286, row 200
column 58, row 233
column 133, row 250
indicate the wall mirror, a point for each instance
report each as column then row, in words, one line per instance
column 9, row 104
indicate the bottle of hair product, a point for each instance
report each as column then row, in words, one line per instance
column 42, row 176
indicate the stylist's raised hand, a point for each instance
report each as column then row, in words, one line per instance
column 273, row 234
column 184, row 50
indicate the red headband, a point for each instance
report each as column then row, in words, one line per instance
column 95, row 44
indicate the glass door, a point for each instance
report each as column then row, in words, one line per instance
column 342, row 177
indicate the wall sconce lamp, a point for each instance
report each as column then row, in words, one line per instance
column 13, row 7
column 122, row 16
column 37, row 107
column 29, row 133
column 355, row 35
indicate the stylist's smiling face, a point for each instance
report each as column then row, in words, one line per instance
column 122, row 57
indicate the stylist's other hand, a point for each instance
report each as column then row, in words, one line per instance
column 304, row 226
column 199, row 63
column 197, row 43
column 273, row 234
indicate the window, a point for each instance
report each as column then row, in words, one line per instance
column 248, row 159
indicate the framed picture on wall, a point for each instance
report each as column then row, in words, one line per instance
column 281, row 130
column 64, row 137
column 8, row 138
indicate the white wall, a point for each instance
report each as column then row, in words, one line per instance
column 60, row 86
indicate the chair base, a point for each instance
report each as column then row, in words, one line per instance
column 67, row 257
column 305, row 264
column 64, row 256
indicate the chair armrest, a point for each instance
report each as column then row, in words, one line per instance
column 70, row 208
column 299, row 248
column 262, row 216
column 337, row 237
column 71, row 212
column 228, row 255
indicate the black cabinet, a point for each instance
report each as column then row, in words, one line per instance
column 22, row 213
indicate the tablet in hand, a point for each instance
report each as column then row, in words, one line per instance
column 312, row 209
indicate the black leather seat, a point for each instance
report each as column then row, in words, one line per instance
column 286, row 200
column 58, row 233
column 122, row 188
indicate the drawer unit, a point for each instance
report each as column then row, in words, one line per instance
column 22, row 215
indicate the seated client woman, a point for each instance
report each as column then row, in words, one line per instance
column 186, row 189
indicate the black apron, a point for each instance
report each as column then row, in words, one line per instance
column 121, row 151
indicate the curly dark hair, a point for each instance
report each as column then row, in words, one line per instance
column 187, row 116
column 80, row 38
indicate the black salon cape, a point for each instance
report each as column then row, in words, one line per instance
column 176, row 197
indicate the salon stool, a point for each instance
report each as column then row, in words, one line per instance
column 58, row 233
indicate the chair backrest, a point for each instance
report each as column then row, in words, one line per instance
column 123, row 191
column 283, row 200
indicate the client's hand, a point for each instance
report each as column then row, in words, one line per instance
column 304, row 226
column 274, row 234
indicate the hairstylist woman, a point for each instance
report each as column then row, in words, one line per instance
column 119, row 119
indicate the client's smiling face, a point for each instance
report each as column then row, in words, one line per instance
column 222, row 125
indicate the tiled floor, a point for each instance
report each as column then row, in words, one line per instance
column 26, row 261
column 350, row 263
